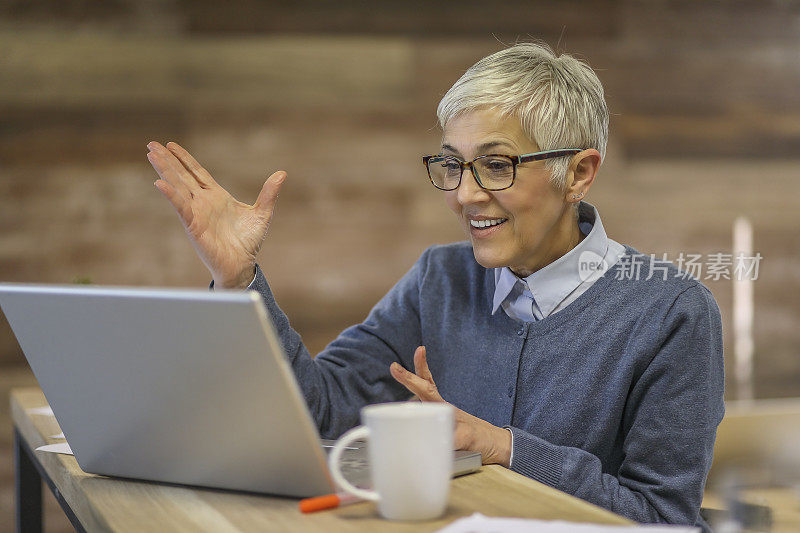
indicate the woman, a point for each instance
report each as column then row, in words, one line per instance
column 563, row 365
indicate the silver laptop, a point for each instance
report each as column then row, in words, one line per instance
column 179, row 386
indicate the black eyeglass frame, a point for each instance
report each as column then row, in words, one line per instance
column 515, row 160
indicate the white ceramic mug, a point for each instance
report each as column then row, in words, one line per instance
column 410, row 455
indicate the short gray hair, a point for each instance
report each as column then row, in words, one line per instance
column 558, row 99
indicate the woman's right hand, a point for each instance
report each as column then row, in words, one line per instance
column 227, row 234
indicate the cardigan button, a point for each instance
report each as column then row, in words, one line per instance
column 510, row 391
column 520, row 332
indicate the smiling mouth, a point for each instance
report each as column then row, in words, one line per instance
column 481, row 224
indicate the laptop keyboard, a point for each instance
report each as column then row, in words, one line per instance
column 353, row 467
column 354, row 463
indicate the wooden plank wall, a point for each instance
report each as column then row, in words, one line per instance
column 705, row 125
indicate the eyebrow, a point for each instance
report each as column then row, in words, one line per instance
column 482, row 148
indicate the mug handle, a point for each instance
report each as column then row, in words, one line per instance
column 360, row 432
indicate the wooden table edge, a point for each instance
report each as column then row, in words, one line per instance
column 64, row 486
column 68, row 485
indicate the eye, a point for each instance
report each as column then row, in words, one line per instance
column 443, row 162
column 497, row 164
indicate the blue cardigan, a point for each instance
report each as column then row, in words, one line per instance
column 615, row 399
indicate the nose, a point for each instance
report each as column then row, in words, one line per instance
column 469, row 192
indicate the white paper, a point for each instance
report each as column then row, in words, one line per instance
column 59, row 436
column 46, row 411
column 60, row 447
column 478, row 523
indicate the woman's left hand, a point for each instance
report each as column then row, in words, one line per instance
column 471, row 433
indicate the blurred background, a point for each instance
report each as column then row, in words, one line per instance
column 705, row 127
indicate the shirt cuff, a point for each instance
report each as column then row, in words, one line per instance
column 511, row 458
column 249, row 286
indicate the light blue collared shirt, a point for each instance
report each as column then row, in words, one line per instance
column 553, row 287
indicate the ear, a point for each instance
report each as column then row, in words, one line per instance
column 581, row 173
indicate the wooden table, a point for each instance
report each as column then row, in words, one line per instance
column 783, row 504
column 98, row 503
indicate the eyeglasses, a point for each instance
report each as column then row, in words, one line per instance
column 492, row 172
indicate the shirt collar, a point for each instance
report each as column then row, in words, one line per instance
column 554, row 282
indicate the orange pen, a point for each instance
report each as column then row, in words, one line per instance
column 329, row 501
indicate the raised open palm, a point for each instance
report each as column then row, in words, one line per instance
column 226, row 233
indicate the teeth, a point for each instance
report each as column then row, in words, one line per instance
column 486, row 223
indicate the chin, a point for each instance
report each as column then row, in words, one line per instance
column 487, row 260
